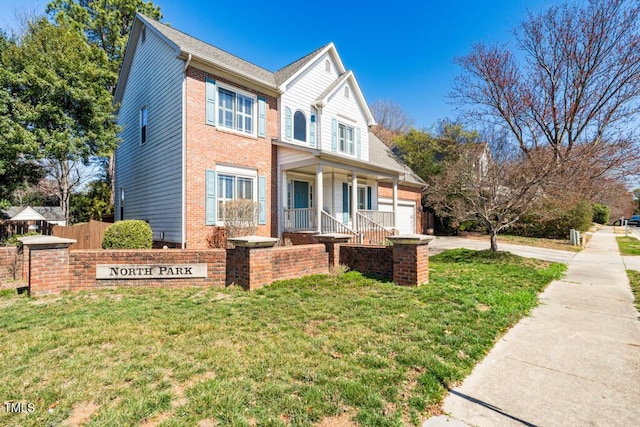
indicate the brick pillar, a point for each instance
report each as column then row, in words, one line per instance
column 410, row 259
column 47, row 264
column 332, row 243
column 254, row 269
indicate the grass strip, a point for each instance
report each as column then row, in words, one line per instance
column 629, row 246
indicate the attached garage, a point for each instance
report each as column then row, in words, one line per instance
column 406, row 213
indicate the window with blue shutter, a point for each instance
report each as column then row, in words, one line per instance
column 312, row 131
column 334, row 135
column 358, row 142
column 287, row 124
column 262, row 117
column 345, row 203
column 210, row 204
column 211, row 101
column 262, row 199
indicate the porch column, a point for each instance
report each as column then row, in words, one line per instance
column 395, row 203
column 319, row 198
column 283, row 204
column 354, row 199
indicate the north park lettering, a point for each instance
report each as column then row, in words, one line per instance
column 158, row 271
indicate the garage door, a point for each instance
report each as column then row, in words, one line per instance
column 406, row 214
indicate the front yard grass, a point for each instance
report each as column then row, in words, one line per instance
column 296, row 353
column 629, row 246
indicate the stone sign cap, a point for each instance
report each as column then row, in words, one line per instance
column 333, row 237
column 46, row 241
column 411, row 239
column 253, row 241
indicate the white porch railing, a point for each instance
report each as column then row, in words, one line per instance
column 371, row 232
column 383, row 218
column 332, row 225
column 300, row 219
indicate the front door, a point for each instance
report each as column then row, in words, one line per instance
column 301, row 201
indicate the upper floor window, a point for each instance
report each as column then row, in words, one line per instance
column 327, row 65
column 299, row 126
column 345, row 138
column 236, row 111
column 346, row 91
column 143, row 125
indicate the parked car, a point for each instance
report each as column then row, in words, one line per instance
column 634, row 220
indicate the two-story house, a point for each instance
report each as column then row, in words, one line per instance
column 201, row 127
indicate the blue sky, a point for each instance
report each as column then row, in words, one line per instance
column 399, row 50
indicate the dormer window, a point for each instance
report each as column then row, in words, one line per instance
column 299, row 126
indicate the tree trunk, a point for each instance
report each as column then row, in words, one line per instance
column 494, row 240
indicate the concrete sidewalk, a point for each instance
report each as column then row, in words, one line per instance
column 575, row 361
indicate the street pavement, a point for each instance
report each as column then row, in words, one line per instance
column 575, row 361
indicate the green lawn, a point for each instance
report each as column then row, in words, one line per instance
column 295, row 353
column 629, row 246
column 539, row 242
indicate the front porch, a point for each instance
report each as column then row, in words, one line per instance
column 336, row 200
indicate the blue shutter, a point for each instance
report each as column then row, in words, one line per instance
column 345, row 203
column 287, row 124
column 262, row 117
column 262, row 199
column 369, row 198
column 210, row 205
column 312, row 131
column 211, row 101
column 334, row 135
column 358, row 142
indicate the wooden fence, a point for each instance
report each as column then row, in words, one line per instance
column 87, row 235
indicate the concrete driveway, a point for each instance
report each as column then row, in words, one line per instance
column 574, row 361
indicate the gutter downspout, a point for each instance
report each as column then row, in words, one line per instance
column 184, row 154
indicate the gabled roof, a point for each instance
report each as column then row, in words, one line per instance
column 35, row 213
column 324, row 97
column 186, row 45
column 285, row 73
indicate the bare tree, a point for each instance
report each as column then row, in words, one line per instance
column 392, row 121
column 494, row 187
column 578, row 87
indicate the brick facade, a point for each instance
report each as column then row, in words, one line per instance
column 406, row 192
column 207, row 146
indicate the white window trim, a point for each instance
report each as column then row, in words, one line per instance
column 346, row 141
column 306, row 126
column 144, row 109
column 254, row 112
column 236, row 172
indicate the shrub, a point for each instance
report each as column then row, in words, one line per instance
column 240, row 217
column 13, row 240
column 600, row 214
column 536, row 224
column 128, row 234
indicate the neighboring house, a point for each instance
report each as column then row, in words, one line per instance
column 51, row 214
column 202, row 127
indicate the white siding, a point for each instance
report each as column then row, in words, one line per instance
column 151, row 175
column 348, row 111
column 305, row 89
